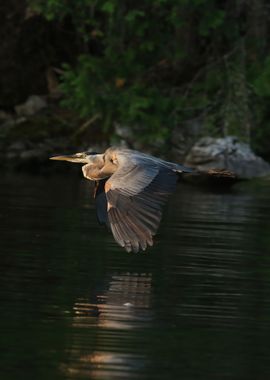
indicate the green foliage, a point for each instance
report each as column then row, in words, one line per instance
column 95, row 92
column 153, row 65
column 261, row 88
column 262, row 81
column 50, row 8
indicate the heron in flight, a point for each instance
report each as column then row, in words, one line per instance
column 130, row 190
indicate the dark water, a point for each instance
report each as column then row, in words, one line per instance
column 75, row 306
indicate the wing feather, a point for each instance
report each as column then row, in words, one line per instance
column 136, row 193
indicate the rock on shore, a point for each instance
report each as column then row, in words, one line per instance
column 227, row 153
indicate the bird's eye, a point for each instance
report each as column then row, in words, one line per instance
column 113, row 161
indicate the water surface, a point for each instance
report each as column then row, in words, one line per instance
column 74, row 305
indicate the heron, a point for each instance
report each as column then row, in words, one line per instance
column 130, row 191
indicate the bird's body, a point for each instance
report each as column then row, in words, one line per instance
column 131, row 188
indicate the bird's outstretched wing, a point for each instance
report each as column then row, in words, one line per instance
column 135, row 195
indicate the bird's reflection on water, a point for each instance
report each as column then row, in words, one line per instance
column 127, row 300
column 125, row 303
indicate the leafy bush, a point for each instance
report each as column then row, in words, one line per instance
column 155, row 64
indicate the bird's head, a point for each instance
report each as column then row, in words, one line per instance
column 80, row 158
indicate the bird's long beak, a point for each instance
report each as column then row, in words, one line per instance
column 80, row 158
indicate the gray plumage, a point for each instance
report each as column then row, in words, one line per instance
column 131, row 189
